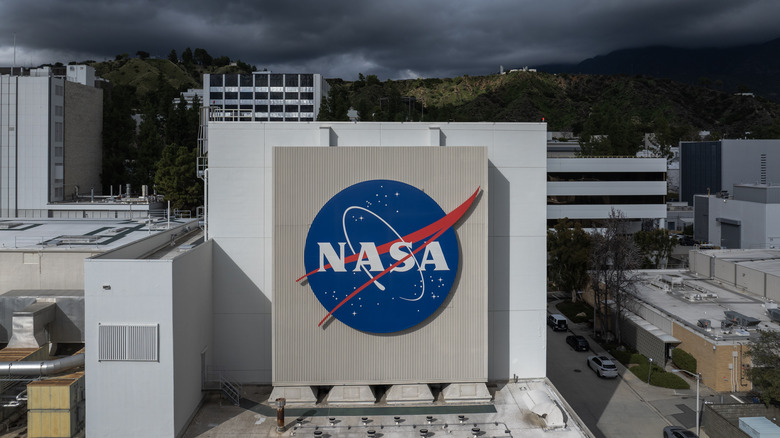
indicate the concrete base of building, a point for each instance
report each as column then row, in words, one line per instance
column 406, row 394
column 466, row 393
column 295, row 395
column 351, row 395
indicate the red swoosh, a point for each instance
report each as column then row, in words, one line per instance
column 438, row 227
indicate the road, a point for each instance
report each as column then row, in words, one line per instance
column 611, row 408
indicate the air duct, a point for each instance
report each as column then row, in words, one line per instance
column 29, row 325
column 41, row 368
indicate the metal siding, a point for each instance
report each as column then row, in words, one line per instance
column 451, row 345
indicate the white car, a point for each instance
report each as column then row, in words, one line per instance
column 603, row 366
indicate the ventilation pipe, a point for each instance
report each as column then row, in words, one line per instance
column 29, row 325
column 42, row 368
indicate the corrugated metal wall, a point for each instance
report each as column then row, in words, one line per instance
column 451, row 345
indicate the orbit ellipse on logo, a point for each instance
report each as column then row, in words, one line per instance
column 381, row 256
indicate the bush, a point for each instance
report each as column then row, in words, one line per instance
column 571, row 310
column 683, row 360
column 659, row 377
column 623, row 356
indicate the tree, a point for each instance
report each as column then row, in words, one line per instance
column 202, row 57
column 336, row 105
column 186, row 56
column 173, row 57
column 613, row 257
column 765, row 372
column 568, row 253
column 176, row 177
column 141, row 54
column 656, row 246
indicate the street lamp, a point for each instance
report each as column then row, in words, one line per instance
column 649, row 370
column 698, row 378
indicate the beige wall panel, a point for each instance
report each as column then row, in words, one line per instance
column 725, row 271
column 751, row 280
column 449, row 346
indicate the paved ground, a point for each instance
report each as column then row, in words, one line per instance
column 606, row 406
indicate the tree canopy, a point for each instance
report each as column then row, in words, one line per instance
column 568, row 254
column 765, row 372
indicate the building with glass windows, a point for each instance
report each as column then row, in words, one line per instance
column 265, row 96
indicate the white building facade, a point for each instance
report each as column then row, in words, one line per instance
column 50, row 139
column 587, row 189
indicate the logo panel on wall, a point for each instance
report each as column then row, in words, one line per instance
column 381, row 256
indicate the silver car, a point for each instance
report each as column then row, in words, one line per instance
column 603, row 366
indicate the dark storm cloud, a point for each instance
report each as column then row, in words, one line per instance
column 393, row 39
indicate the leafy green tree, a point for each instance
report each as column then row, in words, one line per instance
column 119, row 134
column 568, row 254
column 765, row 370
column 186, row 56
column 655, row 246
column 176, row 177
column 202, row 57
column 335, row 106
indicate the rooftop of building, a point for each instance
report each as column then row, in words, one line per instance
column 508, row 415
column 688, row 298
column 75, row 235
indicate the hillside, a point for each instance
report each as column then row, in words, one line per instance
column 567, row 102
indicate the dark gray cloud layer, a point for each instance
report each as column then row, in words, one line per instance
column 392, row 38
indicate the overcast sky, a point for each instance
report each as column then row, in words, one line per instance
column 394, row 39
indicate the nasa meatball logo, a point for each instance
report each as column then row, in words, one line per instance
column 381, row 256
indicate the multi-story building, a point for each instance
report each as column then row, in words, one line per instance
column 709, row 167
column 746, row 220
column 50, row 138
column 588, row 189
column 265, row 96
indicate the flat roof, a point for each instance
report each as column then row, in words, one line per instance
column 686, row 298
column 76, row 235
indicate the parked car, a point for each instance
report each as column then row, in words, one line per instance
column 578, row 343
column 558, row 322
column 603, row 366
column 678, row 432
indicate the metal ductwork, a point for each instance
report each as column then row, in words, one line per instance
column 29, row 325
column 41, row 368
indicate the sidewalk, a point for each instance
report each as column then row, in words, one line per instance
column 675, row 406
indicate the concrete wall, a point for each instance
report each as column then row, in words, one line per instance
column 42, row 269
column 722, row 420
column 720, row 367
column 751, row 280
column 773, row 287
column 725, row 271
column 151, row 399
column 83, row 139
column 742, row 161
column 126, row 398
column 192, row 328
column 240, row 222
column 700, row 263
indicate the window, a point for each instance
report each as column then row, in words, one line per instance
column 59, row 90
column 215, row 80
column 291, row 96
column 307, row 108
column 58, row 134
column 276, row 80
column 58, row 151
column 245, row 95
column 277, row 108
column 58, row 110
column 261, row 95
column 291, row 108
column 276, row 95
column 231, row 80
column 261, row 80
column 307, row 95
column 246, row 80
column 291, row 80
column 231, row 95
column 307, row 80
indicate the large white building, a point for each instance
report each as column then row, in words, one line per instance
column 467, row 200
column 50, row 138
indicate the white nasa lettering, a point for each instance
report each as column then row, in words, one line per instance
column 336, row 261
column 369, row 256
column 397, row 254
column 434, row 255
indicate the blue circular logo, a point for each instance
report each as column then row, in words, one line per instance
column 381, row 256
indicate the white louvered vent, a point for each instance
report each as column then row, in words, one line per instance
column 128, row 342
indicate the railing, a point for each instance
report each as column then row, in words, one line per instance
column 215, row 380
